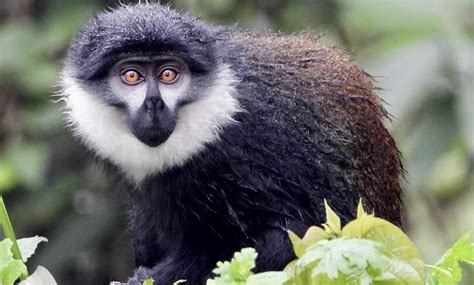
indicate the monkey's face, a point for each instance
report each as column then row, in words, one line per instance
column 150, row 91
column 145, row 88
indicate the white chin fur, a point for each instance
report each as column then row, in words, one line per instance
column 103, row 129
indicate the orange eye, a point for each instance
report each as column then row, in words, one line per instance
column 168, row 75
column 131, row 77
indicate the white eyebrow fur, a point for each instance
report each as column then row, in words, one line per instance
column 103, row 129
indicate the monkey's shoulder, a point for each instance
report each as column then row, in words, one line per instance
column 304, row 61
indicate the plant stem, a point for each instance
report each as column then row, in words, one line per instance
column 8, row 229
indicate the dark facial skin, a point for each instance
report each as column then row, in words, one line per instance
column 151, row 89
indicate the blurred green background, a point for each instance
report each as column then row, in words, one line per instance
column 419, row 52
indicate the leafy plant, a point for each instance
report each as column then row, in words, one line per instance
column 368, row 250
column 10, row 268
column 447, row 270
column 14, row 254
column 239, row 272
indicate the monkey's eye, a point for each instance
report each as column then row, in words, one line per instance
column 131, row 77
column 168, row 75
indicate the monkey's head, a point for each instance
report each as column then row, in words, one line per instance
column 145, row 88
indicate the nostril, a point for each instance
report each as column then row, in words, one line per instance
column 159, row 104
column 149, row 105
column 154, row 105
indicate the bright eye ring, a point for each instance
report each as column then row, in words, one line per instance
column 131, row 77
column 168, row 75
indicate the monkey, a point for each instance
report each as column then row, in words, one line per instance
column 225, row 138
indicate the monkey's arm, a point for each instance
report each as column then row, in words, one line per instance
column 191, row 265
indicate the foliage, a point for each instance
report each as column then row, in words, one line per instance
column 447, row 270
column 238, row 269
column 10, row 269
column 239, row 272
column 14, row 253
column 368, row 250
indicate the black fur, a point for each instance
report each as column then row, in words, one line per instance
column 311, row 131
column 139, row 31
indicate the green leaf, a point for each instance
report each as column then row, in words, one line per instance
column 28, row 246
column 340, row 256
column 392, row 238
column 291, row 267
column 237, row 270
column 150, row 281
column 10, row 269
column 360, row 210
column 312, row 236
column 333, row 221
column 399, row 272
column 8, row 231
column 5, row 250
column 353, row 261
column 447, row 270
column 270, row 278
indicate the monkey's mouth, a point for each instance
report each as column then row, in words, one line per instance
column 152, row 130
column 153, row 137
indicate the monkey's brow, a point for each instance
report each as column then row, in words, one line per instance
column 146, row 59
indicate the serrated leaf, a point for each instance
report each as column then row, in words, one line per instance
column 399, row 272
column 334, row 261
column 28, row 246
column 237, row 270
column 270, row 278
column 353, row 261
column 41, row 276
column 392, row 238
column 447, row 270
column 311, row 237
column 332, row 219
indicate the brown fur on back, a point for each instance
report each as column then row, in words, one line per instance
column 302, row 66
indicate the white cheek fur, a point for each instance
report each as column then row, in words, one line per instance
column 103, row 129
column 134, row 98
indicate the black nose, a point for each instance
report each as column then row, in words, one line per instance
column 154, row 105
